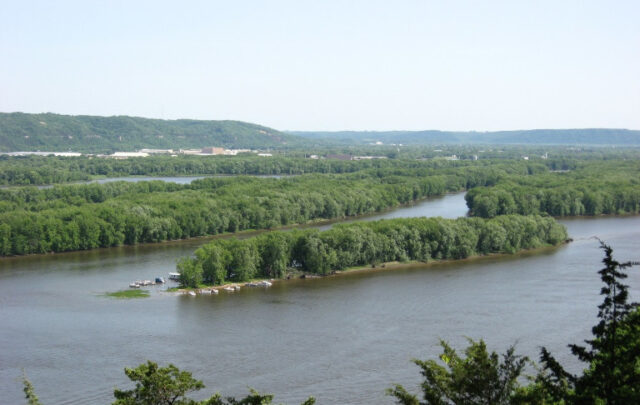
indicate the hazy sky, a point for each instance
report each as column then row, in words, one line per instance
column 328, row 65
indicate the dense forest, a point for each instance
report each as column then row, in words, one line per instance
column 79, row 217
column 272, row 254
column 611, row 187
column 85, row 133
column 39, row 170
column 88, row 216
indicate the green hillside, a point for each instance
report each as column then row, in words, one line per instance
column 84, row 133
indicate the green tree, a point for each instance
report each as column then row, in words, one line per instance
column 214, row 260
column 613, row 355
column 477, row 379
column 157, row 386
column 275, row 252
column 191, row 272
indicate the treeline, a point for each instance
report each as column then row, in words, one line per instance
column 596, row 188
column 42, row 170
column 273, row 254
column 79, row 217
column 39, row 170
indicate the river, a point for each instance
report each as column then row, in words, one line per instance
column 168, row 179
column 342, row 339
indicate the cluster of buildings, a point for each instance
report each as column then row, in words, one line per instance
column 209, row 151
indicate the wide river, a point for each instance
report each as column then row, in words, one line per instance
column 342, row 339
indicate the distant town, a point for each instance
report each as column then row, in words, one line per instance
column 208, row 151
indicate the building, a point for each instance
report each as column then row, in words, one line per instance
column 156, row 151
column 191, row 151
column 126, row 155
column 213, row 150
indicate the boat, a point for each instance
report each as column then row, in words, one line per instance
column 174, row 276
column 134, row 285
column 159, row 280
column 229, row 289
column 192, row 293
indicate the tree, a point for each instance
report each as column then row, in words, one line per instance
column 214, row 261
column 479, row 378
column 166, row 386
column 169, row 386
column 613, row 355
column 190, row 272
column 157, row 386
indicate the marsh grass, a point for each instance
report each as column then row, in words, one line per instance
column 127, row 294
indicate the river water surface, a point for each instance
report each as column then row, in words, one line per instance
column 342, row 339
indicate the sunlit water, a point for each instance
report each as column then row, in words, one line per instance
column 342, row 339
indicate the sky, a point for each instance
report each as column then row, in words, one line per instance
column 328, row 65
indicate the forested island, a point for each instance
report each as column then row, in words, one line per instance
column 87, row 216
column 274, row 254
column 80, row 217
column 477, row 376
column 606, row 188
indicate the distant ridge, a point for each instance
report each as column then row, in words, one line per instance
column 588, row 136
column 86, row 133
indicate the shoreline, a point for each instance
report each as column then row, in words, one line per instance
column 386, row 266
column 242, row 233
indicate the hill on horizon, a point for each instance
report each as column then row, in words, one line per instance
column 50, row 132
column 586, row 136
column 86, row 133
